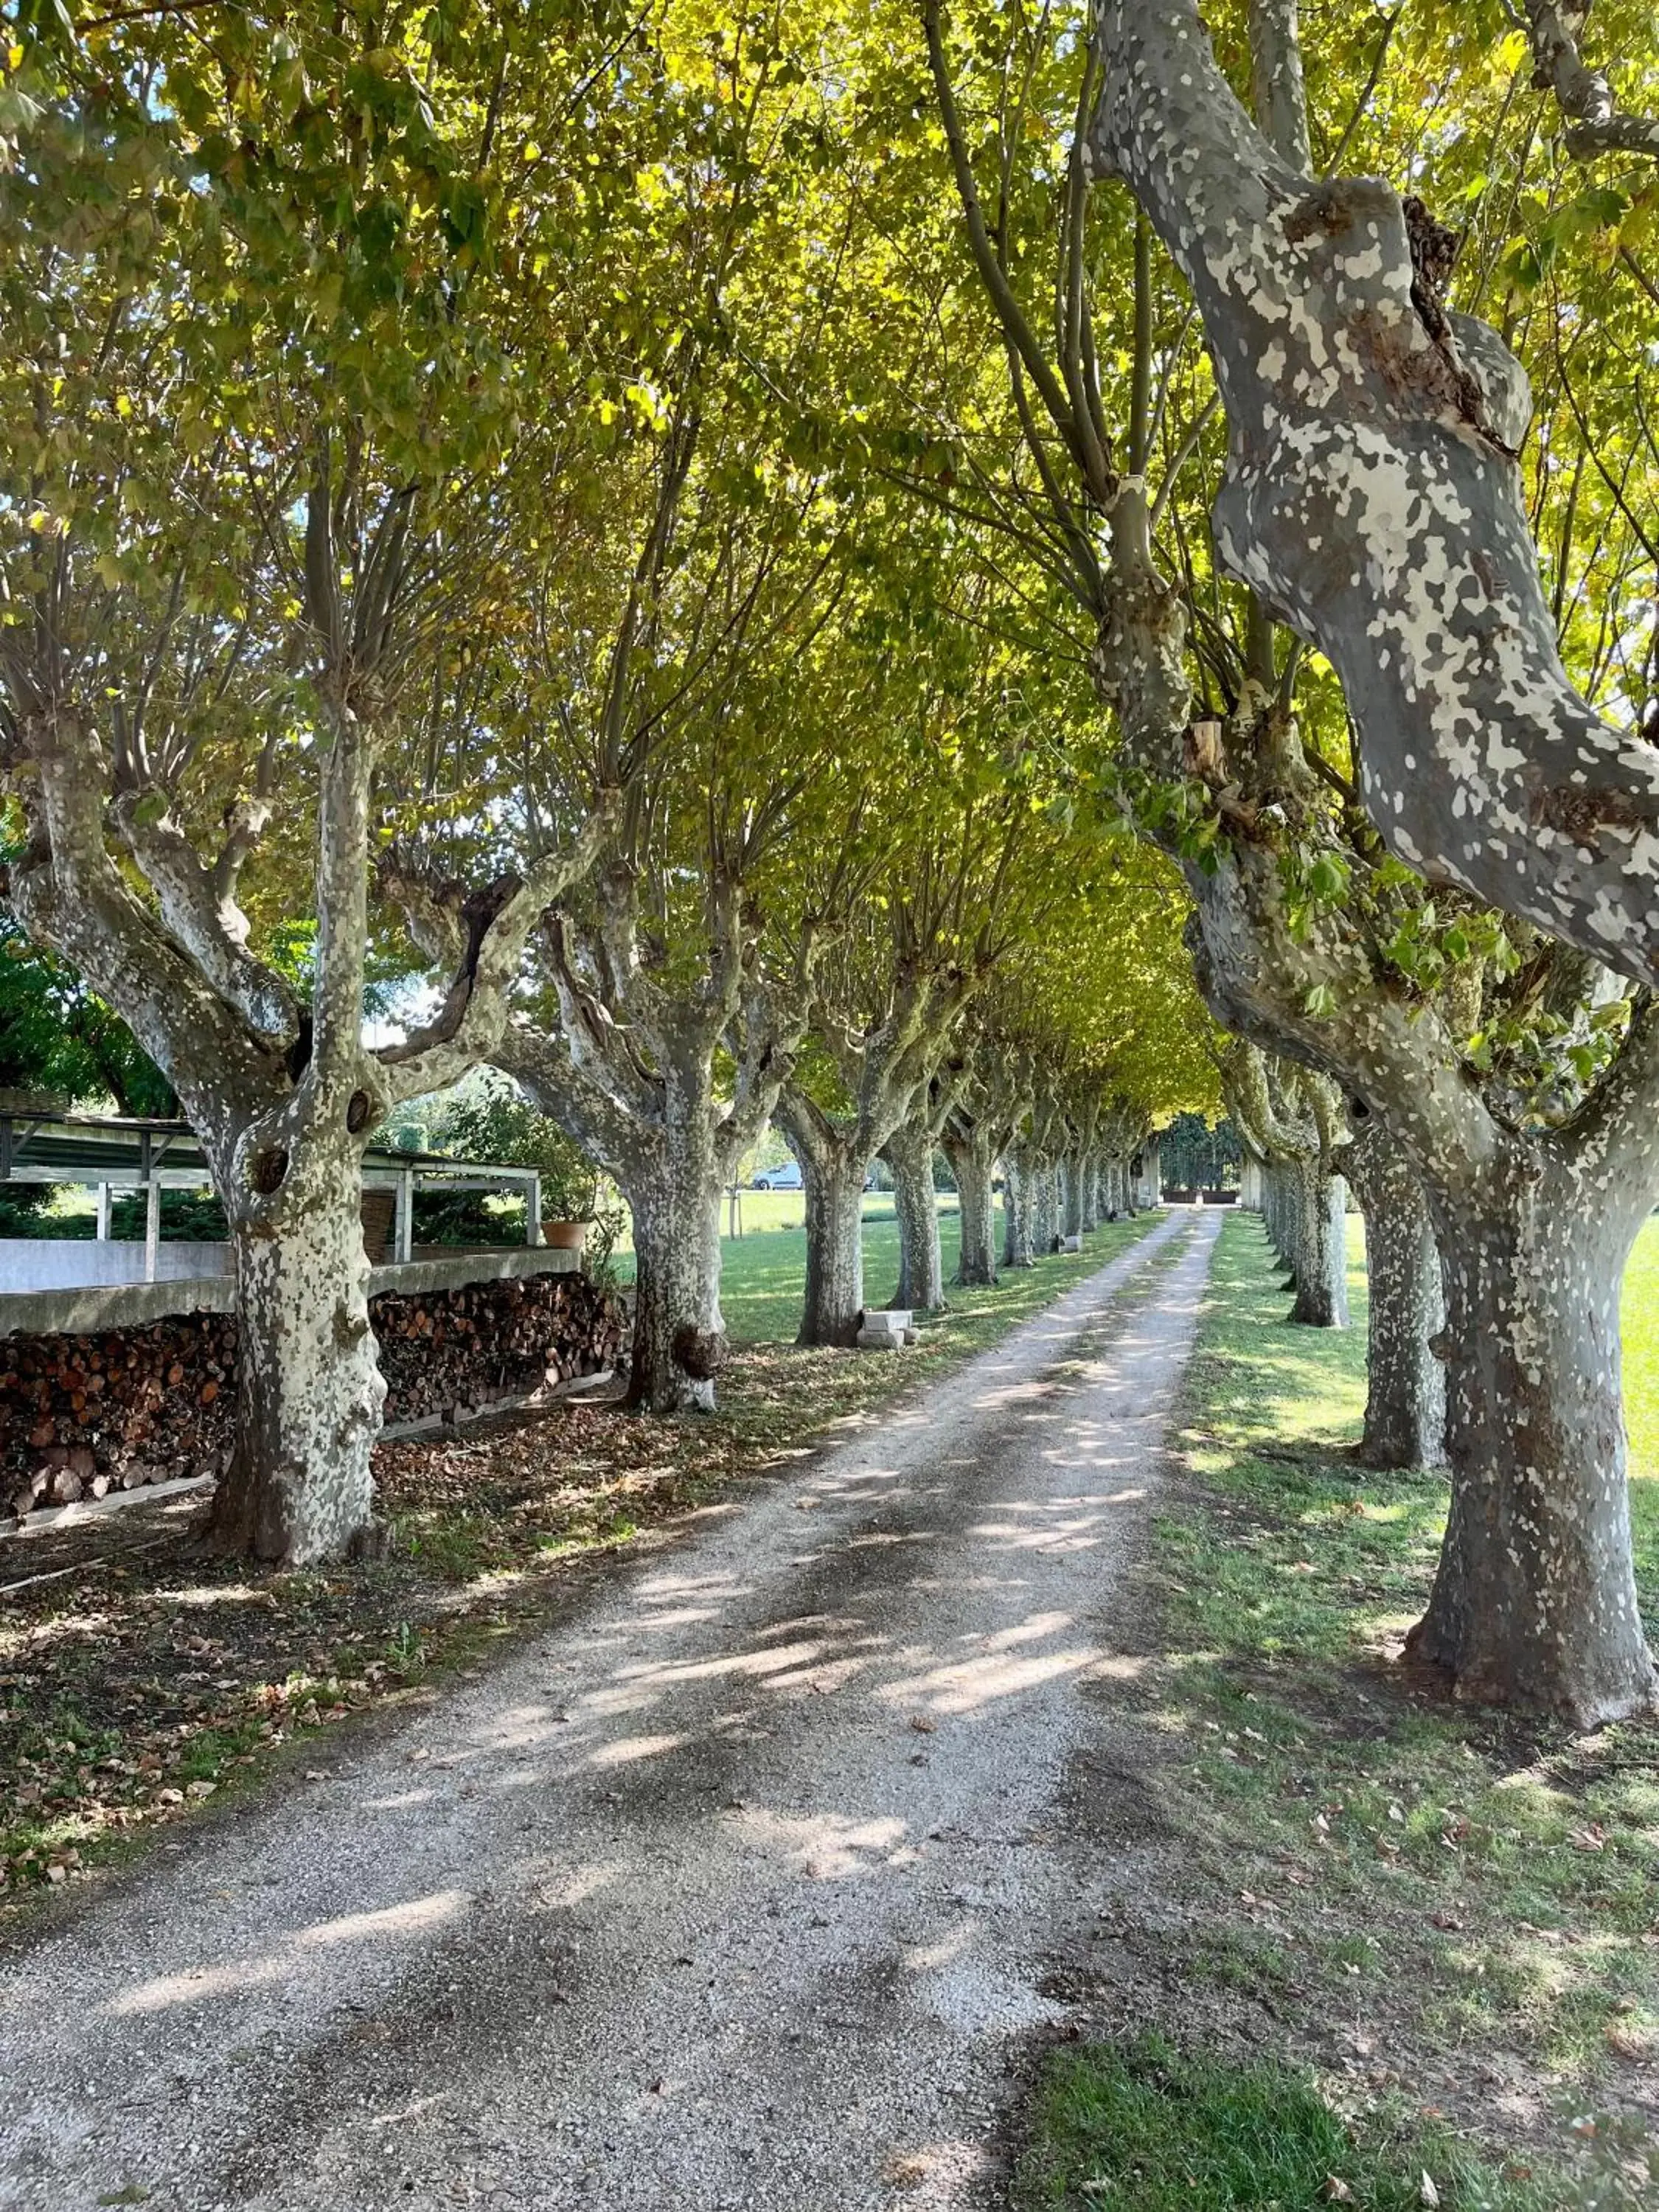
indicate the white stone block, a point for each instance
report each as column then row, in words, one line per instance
column 888, row 1322
column 1073, row 1243
column 880, row 1339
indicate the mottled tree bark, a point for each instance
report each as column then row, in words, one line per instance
column 632, row 1075
column 283, row 1099
column 679, row 1335
column 1534, row 1604
column 1282, row 1217
column 1088, row 1170
column 1534, row 1600
column 1322, row 1275
column 1371, row 502
column 1051, row 1205
column 1071, row 1174
column 1406, row 1380
column 1019, row 1201
column 1595, row 123
column 909, row 1153
column 834, row 1181
column 308, row 1384
column 1371, row 498
column 1291, row 1118
column 973, row 1160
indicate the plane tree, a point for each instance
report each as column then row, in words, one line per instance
column 1293, row 1121
column 1369, row 493
column 886, row 996
column 1310, row 933
column 668, row 993
column 256, row 403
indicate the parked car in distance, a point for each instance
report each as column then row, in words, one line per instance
column 787, row 1178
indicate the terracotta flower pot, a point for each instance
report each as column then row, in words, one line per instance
column 565, row 1236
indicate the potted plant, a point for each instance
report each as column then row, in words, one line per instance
column 565, row 1236
column 491, row 1121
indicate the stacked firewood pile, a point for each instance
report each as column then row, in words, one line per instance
column 82, row 1416
column 454, row 1351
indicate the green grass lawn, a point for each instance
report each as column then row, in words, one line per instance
column 1140, row 2127
column 764, row 1275
column 761, row 1213
column 763, row 1272
column 1412, row 1907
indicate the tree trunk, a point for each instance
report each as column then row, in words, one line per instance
column 1047, row 1210
column 1370, row 444
column 909, row 1153
column 835, row 1244
column 1534, row 1602
column 1406, row 1383
column 1152, row 1169
column 679, row 1336
column 1073, row 1201
column 1016, row 1201
column 974, row 1162
column 308, row 1386
column 1322, row 1279
column 1283, row 1219
column 1088, row 1175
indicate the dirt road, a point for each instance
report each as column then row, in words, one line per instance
column 739, row 1889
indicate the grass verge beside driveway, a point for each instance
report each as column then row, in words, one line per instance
column 1446, row 1919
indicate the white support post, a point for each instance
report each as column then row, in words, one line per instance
column 103, row 1212
column 152, row 1227
column 532, row 1210
column 403, row 1244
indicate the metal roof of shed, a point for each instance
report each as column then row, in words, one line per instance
column 92, row 1148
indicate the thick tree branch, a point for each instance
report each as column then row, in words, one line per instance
column 1596, row 122
column 210, row 927
column 1371, row 500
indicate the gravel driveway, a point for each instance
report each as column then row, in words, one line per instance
column 739, row 1889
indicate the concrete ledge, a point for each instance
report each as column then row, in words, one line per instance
column 90, row 1308
column 511, row 1264
column 94, row 1307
